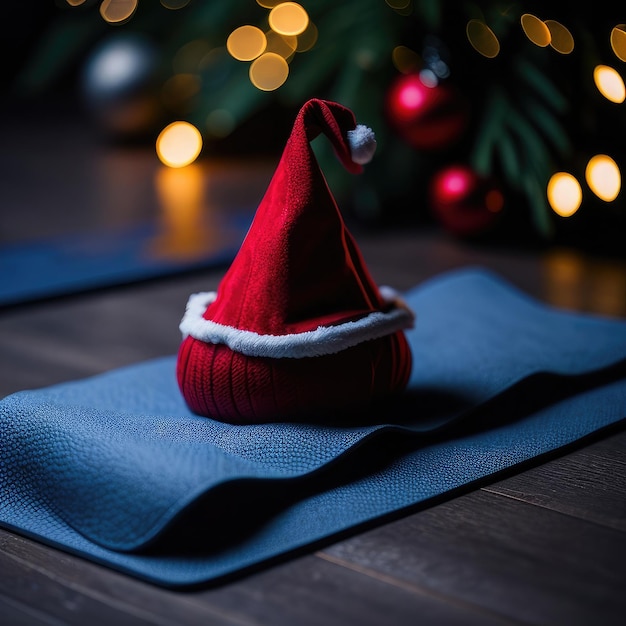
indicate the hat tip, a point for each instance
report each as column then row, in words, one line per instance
column 362, row 143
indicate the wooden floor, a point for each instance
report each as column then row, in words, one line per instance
column 544, row 544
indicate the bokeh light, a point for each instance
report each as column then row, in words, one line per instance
column 403, row 7
column 564, row 194
column 269, row 71
column 174, row 5
column 410, row 99
column 288, row 18
column 398, row 4
column 75, row 3
column 455, row 183
column 118, row 11
column 609, row 83
column 282, row 45
column 405, row 60
column 603, row 177
column 269, row 4
column 179, row 144
column 246, row 43
column 308, row 38
column 482, row 38
column 536, row 30
column 618, row 41
column 560, row 37
column 494, row 201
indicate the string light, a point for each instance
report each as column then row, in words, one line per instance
column 482, row 39
column 174, row 5
column 402, row 7
column 118, row 11
column 179, row 144
column 282, row 45
column 564, row 194
column 246, row 43
column 307, row 39
column 405, row 60
column 560, row 37
column 603, row 177
column 536, row 30
column 609, row 83
column 288, row 18
column 291, row 31
column 269, row 71
column 618, row 41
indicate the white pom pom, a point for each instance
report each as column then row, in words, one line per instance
column 362, row 144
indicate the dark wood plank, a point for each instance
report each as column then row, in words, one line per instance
column 313, row 591
column 522, row 561
column 25, row 582
column 589, row 484
column 79, row 336
column 78, row 592
column 14, row 613
column 306, row 591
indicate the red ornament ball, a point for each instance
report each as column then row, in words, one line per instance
column 427, row 118
column 465, row 203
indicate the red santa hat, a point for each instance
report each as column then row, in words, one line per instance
column 297, row 328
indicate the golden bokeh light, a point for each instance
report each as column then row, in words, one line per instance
column 618, row 41
column 536, row 30
column 246, row 43
column 269, row 4
column 75, row 3
column 400, row 6
column 560, row 37
column 174, row 5
column 269, row 71
column 482, row 38
column 405, row 60
column 603, row 177
column 308, row 38
column 118, row 11
column 564, row 194
column 282, row 45
column 179, row 144
column 288, row 18
column 609, row 83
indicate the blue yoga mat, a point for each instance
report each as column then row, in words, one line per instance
column 116, row 469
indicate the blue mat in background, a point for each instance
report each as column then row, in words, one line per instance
column 68, row 264
column 116, row 469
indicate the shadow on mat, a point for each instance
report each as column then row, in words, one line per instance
column 234, row 511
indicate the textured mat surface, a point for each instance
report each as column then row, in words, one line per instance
column 117, row 469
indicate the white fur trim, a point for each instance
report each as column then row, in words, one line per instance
column 362, row 144
column 321, row 341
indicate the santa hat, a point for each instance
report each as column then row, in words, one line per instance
column 297, row 328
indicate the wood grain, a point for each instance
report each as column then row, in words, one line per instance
column 517, row 560
column 589, row 484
